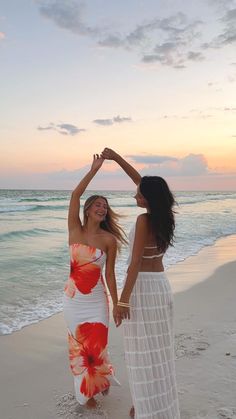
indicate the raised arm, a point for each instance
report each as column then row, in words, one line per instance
column 74, row 207
column 110, row 154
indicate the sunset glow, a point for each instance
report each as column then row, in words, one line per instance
column 154, row 80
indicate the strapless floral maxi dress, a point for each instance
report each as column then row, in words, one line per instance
column 86, row 312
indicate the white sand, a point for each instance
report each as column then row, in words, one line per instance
column 36, row 382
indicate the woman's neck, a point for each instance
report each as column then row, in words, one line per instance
column 92, row 228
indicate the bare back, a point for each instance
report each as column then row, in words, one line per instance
column 151, row 258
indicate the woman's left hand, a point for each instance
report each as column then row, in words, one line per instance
column 117, row 316
column 123, row 312
column 97, row 162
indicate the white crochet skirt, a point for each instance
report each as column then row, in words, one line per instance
column 149, row 348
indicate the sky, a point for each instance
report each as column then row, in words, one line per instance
column 155, row 80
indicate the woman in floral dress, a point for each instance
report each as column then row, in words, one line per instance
column 93, row 244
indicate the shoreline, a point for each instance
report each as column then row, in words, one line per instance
column 37, row 384
column 221, row 251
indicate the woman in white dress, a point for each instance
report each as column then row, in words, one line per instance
column 146, row 302
column 93, row 245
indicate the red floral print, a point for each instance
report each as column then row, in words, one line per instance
column 88, row 356
column 84, row 272
column 70, row 288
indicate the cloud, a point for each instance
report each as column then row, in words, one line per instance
column 151, row 159
column 191, row 165
column 104, row 122
column 68, row 15
column 116, row 120
column 217, row 109
column 178, row 35
column 188, row 173
column 231, row 79
column 49, row 127
column 229, row 109
column 222, row 4
column 193, row 114
column 119, row 119
column 195, row 56
column 212, row 83
column 175, row 31
column 64, row 128
column 112, row 41
column 210, row 112
column 228, row 35
column 134, row 38
column 2, row 36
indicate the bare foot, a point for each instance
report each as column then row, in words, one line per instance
column 106, row 392
column 131, row 412
column 91, row 403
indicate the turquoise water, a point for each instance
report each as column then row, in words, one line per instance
column 34, row 261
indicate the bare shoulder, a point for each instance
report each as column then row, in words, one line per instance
column 142, row 226
column 110, row 239
column 142, row 221
column 110, row 243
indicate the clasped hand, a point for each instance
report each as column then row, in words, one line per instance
column 120, row 313
column 98, row 159
column 108, row 154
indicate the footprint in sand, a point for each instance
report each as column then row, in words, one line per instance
column 226, row 413
column 68, row 408
column 202, row 346
column 190, row 345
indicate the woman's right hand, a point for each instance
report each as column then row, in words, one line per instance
column 109, row 154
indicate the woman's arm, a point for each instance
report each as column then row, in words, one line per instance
column 110, row 268
column 141, row 232
column 73, row 214
column 110, row 276
column 110, row 154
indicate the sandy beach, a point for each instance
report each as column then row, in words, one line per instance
column 36, row 382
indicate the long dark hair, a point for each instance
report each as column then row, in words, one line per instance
column 111, row 220
column 160, row 202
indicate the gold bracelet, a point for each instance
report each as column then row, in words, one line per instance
column 121, row 304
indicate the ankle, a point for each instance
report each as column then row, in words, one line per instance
column 91, row 403
column 132, row 412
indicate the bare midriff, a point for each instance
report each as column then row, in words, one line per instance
column 152, row 265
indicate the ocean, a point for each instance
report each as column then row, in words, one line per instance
column 34, row 262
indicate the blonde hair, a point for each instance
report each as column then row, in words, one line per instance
column 110, row 223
